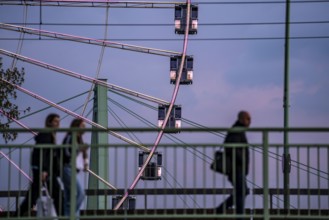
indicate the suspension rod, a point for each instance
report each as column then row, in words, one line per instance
column 92, row 41
column 16, row 166
column 82, row 77
column 101, row 179
column 17, row 122
column 76, row 115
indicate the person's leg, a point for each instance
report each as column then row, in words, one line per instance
column 25, row 205
column 227, row 203
column 80, row 197
column 241, row 192
column 32, row 195
column 67, row 189
column 56, row 195
column 239, row 187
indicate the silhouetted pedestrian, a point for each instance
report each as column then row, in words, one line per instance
column 69, row 162
column 240, row 165
column 41, row 168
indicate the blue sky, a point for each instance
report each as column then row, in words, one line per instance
column 231, row 71
column 229, row 74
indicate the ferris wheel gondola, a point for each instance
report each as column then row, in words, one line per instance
column 187, row 72
column 180, row 19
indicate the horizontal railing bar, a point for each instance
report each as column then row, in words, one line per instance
column 169, row 145
column 297, row 214
column 183, row 191
column 214, row 129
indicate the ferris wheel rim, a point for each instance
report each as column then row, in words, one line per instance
column 172, row 102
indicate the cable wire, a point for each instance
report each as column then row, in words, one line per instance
column 170, row 24
column 100, row 60
column 218, row 134
column 193, row 39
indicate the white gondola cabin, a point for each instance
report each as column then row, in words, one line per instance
column 180, row 19
column 153, row 169
column 175, row 117
column 187, row 72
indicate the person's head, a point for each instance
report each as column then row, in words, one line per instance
column 244, row 118
column 52, row 121
column 78, row 123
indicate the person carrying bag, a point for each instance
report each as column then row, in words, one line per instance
column 45, row 204
column 221, row 163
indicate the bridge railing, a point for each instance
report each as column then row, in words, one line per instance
column 187, row 186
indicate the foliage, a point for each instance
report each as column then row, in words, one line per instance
column 8, row 109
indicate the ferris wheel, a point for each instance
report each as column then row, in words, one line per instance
column 180, row 72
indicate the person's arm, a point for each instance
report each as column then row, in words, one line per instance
column 85, row 161
column 44, row 153
column 84, row 150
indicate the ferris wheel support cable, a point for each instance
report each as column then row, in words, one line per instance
column 171, row 137
column 76, row 115
column 99, row 63
column 86, row 40
column 21, row 38
column 174, row 96
column 219, row 134
column 82, row 77
column 122, row 124
column 93, row 3
column 43, row 109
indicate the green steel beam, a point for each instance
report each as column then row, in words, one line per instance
column 99, row 155
column 286, row 155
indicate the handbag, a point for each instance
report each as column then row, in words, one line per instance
column 221, row 163
column 45, row 205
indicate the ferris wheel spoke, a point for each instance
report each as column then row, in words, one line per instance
column 86, row 40
column 16, row 166
column 82, row 77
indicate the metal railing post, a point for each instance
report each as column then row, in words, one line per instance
column 73, row 176
column 265, row 174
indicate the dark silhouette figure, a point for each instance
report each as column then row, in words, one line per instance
column 240, row 165
column 43, row 171
column 67, row 168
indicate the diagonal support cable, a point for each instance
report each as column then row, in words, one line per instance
column 100, row 60
column 76, row 115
